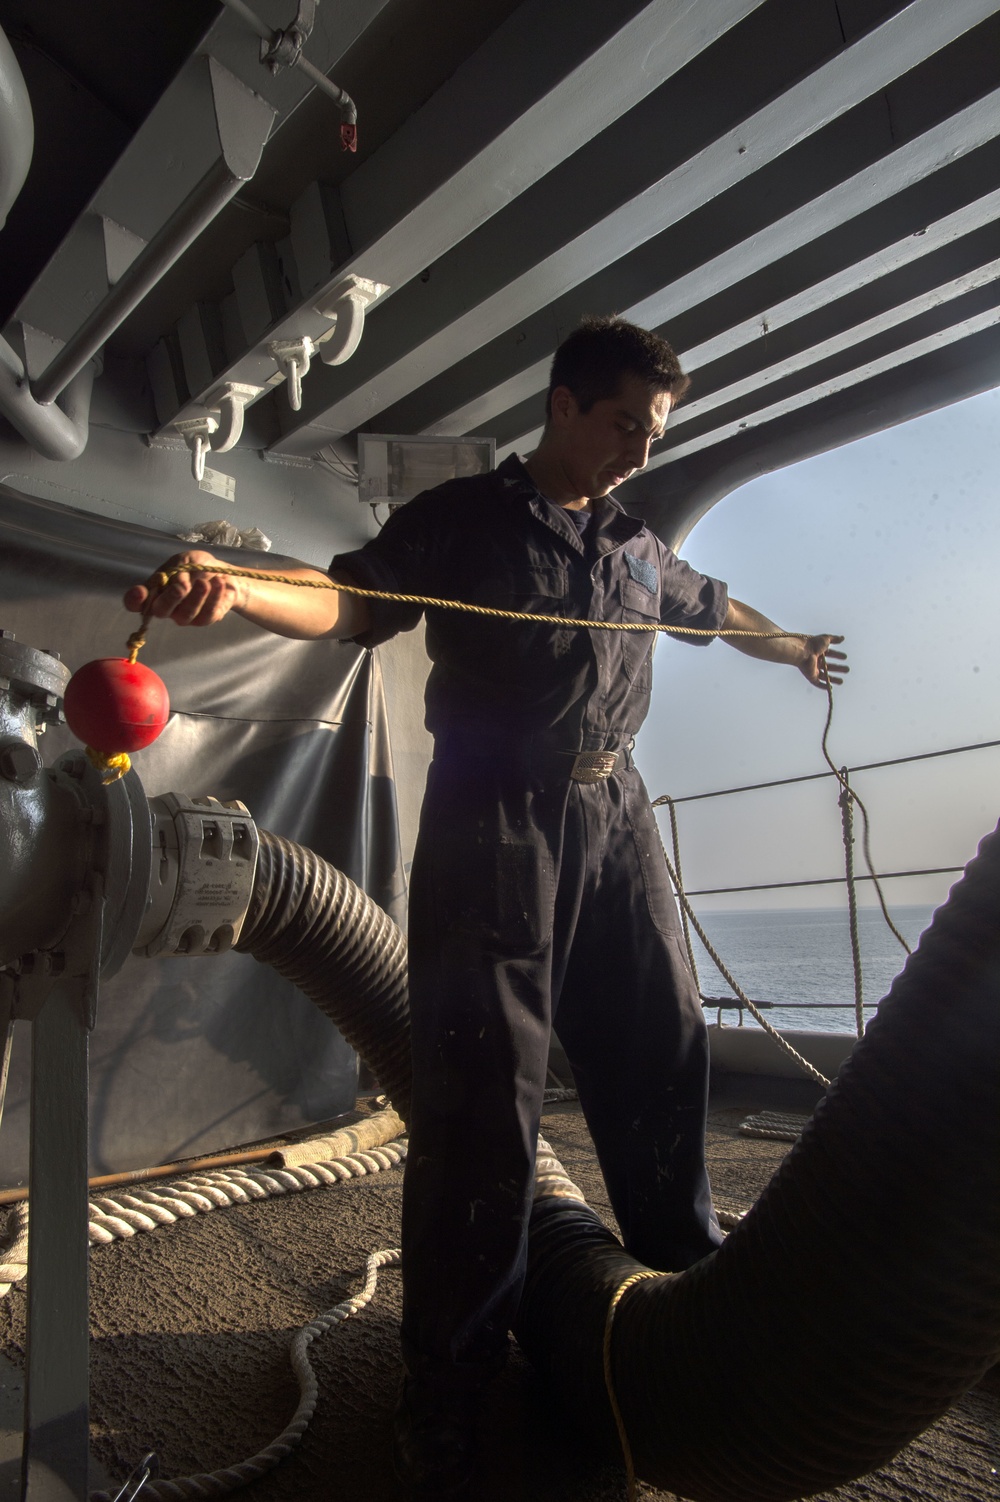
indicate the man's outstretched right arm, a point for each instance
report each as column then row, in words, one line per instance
column 201, row 597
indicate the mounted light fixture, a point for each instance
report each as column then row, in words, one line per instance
column 394, row 467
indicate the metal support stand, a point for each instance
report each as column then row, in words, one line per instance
column 56, row 1431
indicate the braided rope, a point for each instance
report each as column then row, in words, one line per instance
column 144, row 1209
column 14, row 1265
column 232, row 1478
column 164, row 576
column 847, row 824
column 866, row 823
column 738, row 991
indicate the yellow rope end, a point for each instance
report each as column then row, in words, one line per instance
column 111, row 766
column 609, row 1323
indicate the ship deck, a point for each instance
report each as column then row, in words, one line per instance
column 191, row 1326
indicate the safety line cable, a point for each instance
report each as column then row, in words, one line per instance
column 848, row 797
column 865, row 766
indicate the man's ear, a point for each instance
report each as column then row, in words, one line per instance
column 564, row 406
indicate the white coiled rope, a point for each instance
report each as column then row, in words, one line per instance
column 220, row 1483
column 144, row 1209
column 117, row 1217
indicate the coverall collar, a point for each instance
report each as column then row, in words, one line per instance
column 612, row 526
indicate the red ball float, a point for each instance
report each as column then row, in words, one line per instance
column 115, row 705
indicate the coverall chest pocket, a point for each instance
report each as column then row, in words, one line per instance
column 639, row 606
column 541, row 590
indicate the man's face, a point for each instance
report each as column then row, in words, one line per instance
column 603, row 447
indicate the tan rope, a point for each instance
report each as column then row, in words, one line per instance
column 609, row 1324
column 847, row 825
column 164, row 576
column 866, row 823
column 738, row 991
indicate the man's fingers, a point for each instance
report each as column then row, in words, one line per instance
column 832, row 652
column 136, row 597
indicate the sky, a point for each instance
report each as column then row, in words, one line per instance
column 893, row 542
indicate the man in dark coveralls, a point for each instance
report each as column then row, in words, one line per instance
column 539, row 890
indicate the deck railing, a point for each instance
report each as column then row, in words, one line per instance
column 732, row 1003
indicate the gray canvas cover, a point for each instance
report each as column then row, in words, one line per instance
column 194, row 1056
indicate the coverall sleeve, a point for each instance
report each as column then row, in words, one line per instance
column 691, row 599
column 396, row 561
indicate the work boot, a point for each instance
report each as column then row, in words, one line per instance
column 433, row 1436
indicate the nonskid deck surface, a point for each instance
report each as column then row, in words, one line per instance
column 191, row 1326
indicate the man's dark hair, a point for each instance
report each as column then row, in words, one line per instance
column 595, row 358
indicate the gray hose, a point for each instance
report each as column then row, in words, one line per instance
column 861, row 1295
column 321, row 931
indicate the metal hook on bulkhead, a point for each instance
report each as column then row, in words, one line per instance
column 197, row 433
column 293, row 356
column 228, row 404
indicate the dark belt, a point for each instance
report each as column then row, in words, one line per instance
column 535, row 752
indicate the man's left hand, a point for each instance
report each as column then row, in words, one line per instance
column 822, row 660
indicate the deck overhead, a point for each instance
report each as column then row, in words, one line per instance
column 803, row 198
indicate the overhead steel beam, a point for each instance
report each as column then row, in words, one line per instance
column 243, row 121
column 492, row 131
column 921, row 29
column 675, row 496
column 734, row 403
column 757, row 382
column 864, row 372
column 944, row 231
column 174, row 148
column 894, row 173
column 975, row 126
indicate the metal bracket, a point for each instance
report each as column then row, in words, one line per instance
column 293, row 357
column 196, row 432
column 285, row 47
column 227, row 404
column 345, row 307
column 204, row 859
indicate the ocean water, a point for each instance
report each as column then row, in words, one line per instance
column 800, row 961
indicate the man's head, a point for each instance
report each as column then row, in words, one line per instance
column 610, row 393
column 594, row 360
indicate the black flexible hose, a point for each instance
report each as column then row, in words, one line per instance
column 859, row 1297
column 321, row 931
column 857, row 1300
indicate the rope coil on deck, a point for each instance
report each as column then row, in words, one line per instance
column 144, row 1209
column 232, row 1478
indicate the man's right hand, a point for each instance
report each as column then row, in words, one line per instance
column 193, row 598
column 286, row 606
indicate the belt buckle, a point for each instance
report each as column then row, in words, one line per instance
column 593, row 766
